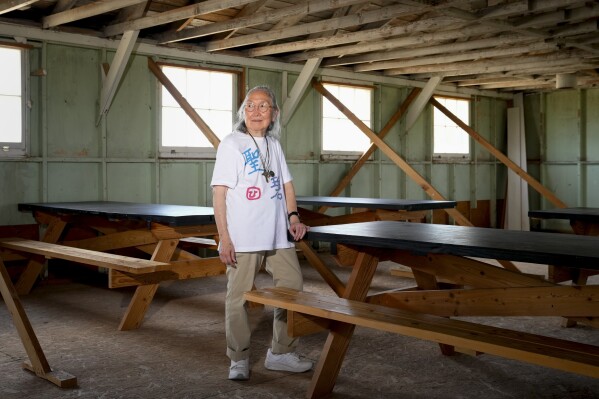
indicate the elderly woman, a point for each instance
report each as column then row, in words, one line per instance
column 255, row 208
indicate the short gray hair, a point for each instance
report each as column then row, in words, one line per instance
column 274, row 129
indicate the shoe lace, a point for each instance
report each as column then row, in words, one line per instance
column 238, row 366
column 292, row 356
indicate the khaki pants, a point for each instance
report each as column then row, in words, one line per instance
column 283, row 266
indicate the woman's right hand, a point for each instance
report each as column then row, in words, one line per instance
column 226, row 252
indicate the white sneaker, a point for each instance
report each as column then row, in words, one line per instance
column 286, row 362
column 240, row 370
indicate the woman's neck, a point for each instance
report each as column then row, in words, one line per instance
column 256, row 134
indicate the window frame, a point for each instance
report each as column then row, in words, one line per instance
column 453, row 155
column 209, row 152
column 343, row 154
column 20, row 149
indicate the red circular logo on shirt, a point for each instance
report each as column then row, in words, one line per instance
column 253, row 193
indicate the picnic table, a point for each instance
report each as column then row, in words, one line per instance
column 361, row 210
column 584, row 221
column 453, row 254
column 366, row 209
column 138, row 243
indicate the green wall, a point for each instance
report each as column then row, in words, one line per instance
column 563, row 148
column 77, row 156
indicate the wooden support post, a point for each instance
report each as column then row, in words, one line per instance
column 302, row 82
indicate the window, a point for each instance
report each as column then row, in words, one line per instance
column 211, row 94
column 339, row 134
column 449, row 139
column 12, row 104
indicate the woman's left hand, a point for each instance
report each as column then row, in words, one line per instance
column 298, row 230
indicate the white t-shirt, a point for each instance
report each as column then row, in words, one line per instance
column 256, row 210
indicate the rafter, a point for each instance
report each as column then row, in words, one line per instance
column 11, row 5
column 86, row 11
column 253, row 20
column 385, row 13
column 369, row 34
column 459, row 56
column 176, row 14
column 248, row 9
column 380, row 39
column 493, row 65
column 63, row 5
column 453, row 47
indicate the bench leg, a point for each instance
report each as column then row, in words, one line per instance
column 38, row 362
column 331, row 358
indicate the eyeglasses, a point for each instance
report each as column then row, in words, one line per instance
column 263, row 107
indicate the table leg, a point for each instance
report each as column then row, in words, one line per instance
column 340, row 334
column 331, row 279
column 36, row 263
column 145, row 293
column 578, row 278
column 427, row 281
column 37, row 360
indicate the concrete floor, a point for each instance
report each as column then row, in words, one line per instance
column 179, row 352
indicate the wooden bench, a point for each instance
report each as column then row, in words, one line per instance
column 102, row 259
column 545, row 351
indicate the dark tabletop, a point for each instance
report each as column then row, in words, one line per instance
column 584, row 214
column 376, row 203
column 172, row 215
column 423, row 238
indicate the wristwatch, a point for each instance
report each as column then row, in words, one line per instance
column 296, row 213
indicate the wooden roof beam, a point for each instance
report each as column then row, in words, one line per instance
column 255, row 19
column 453, row 47
column 11, row 5
column 384, row 32
column 86, row 11
column 63, row 5
column 493, row 65
column 460, row 56
column 176, row 14
column 384, row 37
column 248, row 9
column 384, row 13
column 489, row 80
